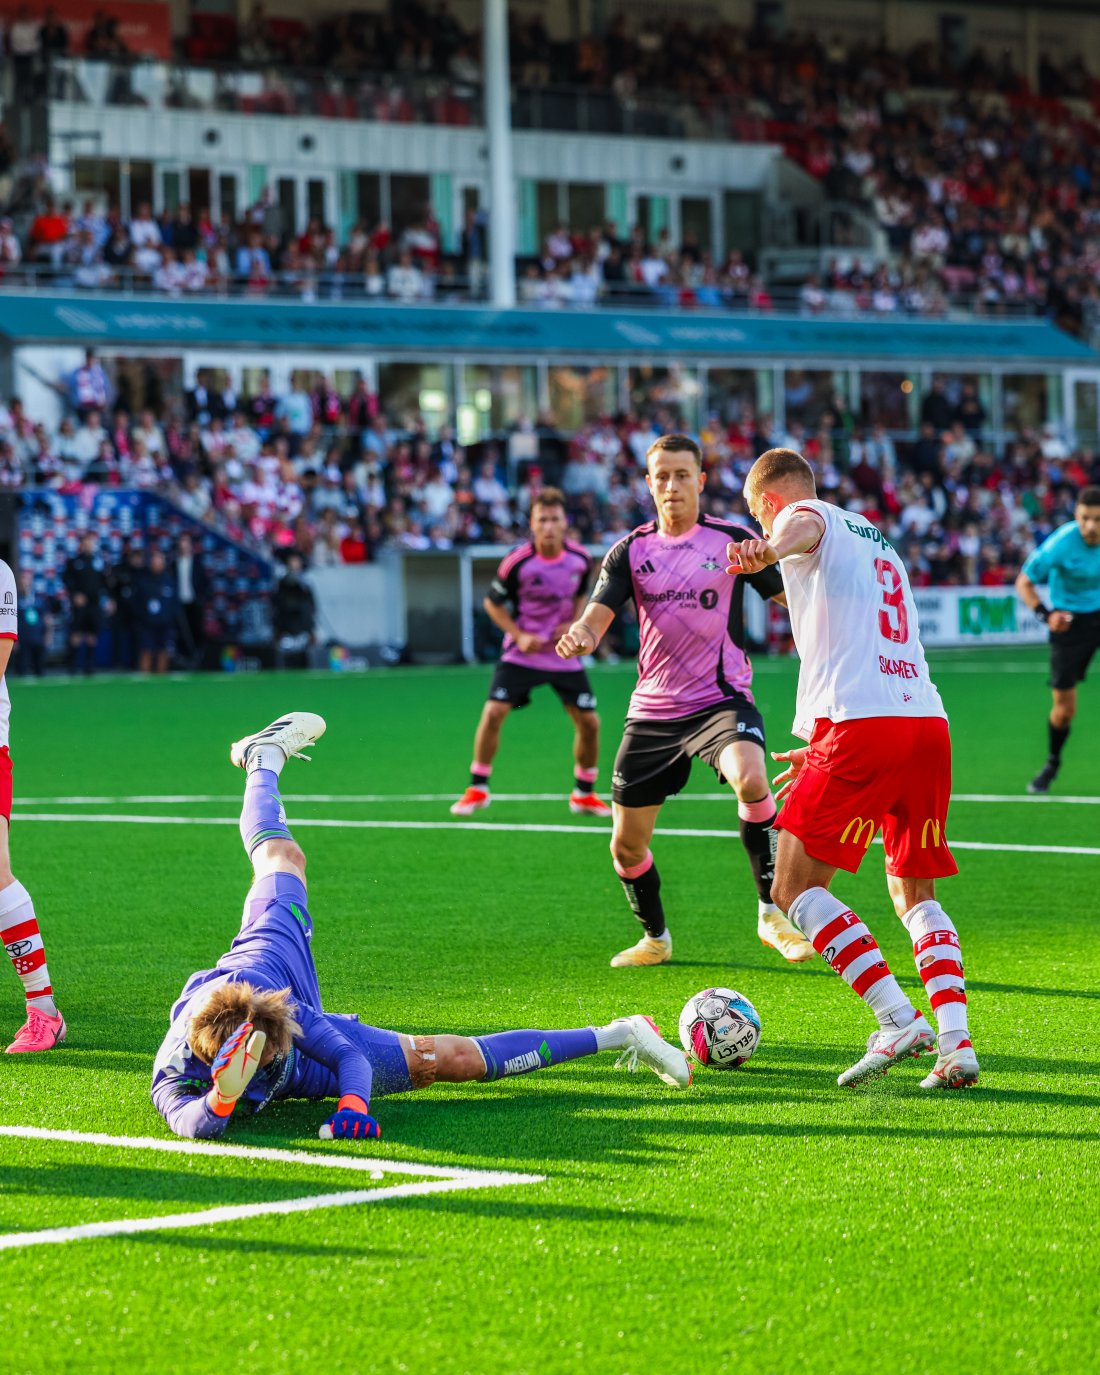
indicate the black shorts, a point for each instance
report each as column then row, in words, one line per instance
column 157, row 639
column 512, row 683
column 84, row 620
column 654, row 760
column 1071, row 650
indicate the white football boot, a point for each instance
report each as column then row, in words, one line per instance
column 645, row 1044
column 292, row 732
column 958, row 1069
column 649, row 950
column 886, row 1048
column 780, row 933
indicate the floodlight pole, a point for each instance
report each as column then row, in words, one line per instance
column 498, row 121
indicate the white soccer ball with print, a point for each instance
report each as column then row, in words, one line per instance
column 719, row 1028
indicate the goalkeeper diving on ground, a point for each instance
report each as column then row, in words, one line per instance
column 253, row 1029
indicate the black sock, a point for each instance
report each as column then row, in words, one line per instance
column 1058, row 737
column 583, row 785
column 644, row 895
column 759, row 840
column 479, row 779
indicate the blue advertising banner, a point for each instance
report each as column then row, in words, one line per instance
column 426, row 330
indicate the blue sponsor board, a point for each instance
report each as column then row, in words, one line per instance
column 425, row 330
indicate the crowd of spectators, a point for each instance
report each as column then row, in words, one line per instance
column 325, row 479
column 183, row 253
column 987, row 190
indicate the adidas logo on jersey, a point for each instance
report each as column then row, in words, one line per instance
column 646, row 567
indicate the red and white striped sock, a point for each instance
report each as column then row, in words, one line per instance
column 844, row 943
column 20, row 936
column 939, row 963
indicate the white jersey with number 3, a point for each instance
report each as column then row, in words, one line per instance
column 855, row 624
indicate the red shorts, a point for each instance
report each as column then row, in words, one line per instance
column 892, row 772
column 5, row 784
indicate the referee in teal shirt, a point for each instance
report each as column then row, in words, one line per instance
column 1069, row 563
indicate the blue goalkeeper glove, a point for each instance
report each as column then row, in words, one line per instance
column 350, row 1121
column 233, row 1068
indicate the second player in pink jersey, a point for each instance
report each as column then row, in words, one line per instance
column 537, row 591
column 693, row 699
column 879, row 755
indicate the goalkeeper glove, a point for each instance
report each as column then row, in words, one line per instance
column 351, row 1119
column 233, row 1067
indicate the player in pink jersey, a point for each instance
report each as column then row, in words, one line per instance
column 19, row 933
column 879, row 754
column 693, row 697
column 544, row 582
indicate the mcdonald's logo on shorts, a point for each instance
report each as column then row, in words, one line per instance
column 934, row 829
column 854, row 829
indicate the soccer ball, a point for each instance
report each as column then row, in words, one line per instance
column 720, row 1028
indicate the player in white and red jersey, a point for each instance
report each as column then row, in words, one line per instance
column 879, row 755
column 19, row 933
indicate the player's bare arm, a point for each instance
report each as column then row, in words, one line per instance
column 584, row 635
column 800, row 534
column 527, row 642
column 1057, row 621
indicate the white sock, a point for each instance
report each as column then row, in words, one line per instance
column 845, row 944
column 940, row 966
column 665, row 937
column 613, row 1036
column 266, row 757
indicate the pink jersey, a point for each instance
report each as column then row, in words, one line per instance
column 690, row 616
column 542, row 593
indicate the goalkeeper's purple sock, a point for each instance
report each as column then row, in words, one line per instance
column 519, row 1052
column 262, row 815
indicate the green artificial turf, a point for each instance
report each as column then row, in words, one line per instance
column 764, row 1221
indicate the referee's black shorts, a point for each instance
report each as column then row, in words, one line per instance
column 1071, row 650
column 654, row 759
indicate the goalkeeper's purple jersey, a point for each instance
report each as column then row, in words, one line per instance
column 272, row 950
column 542, row 594
column 690, row 615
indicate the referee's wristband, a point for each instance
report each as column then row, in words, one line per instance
column 1042, row 611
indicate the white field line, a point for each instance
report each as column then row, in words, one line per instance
column 1079, row 800
column 504, row 828
column 442, row 1180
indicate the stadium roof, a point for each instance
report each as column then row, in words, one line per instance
column 426, row 330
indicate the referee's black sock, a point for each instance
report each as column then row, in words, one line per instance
column 1058, row 737
column 642, row 886
column 759, row 839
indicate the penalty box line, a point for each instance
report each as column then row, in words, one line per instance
column 441, row 1179
column 359, row 824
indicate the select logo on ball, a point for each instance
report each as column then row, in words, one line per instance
column 719, row 1028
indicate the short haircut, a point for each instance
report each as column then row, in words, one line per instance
column 776, row 466
column 1089, row 496
column 675, row 444
column 548, row 496
column 269, row 1010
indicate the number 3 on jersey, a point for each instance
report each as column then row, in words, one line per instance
column 893, row 619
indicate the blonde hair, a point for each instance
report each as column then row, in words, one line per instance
column 776, row 465
column 269, row 1010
